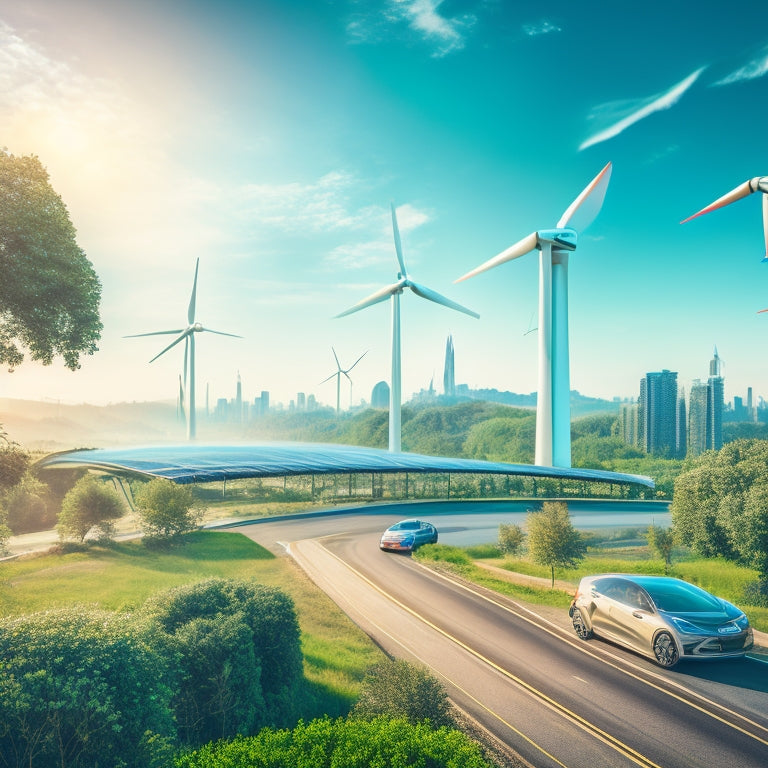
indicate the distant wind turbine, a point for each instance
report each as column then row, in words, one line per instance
column 393, row 292
column 342, row 372
column 758, row 184
column 553, row 408
column 187, row 335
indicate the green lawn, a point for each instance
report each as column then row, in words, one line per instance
column 120, row 577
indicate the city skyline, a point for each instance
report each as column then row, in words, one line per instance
column 269, row 142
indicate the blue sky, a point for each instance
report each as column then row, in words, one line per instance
column 267, row 138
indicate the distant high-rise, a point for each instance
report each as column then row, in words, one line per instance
column 449, row 373
column 628, row 422
column 239, row 400
column 681, row 425
column 697, row 418
column 658, row 414
column 380, row 395
column 705, row 430
column 301, row 401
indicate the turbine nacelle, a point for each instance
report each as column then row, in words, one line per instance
column 561, row 239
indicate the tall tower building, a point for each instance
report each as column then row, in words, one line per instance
column 697, row 418
column 658, row 415
column 449, row 374
column 715, row 400
column 239, row 400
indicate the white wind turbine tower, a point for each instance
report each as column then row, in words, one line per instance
column 342, row 372
column 393, row 292
column 187, row 335
column 553, row 407
column 758, row 184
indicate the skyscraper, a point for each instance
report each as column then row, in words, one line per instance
column 697, row 418
column 715, row 398
column 449, row 374
column 658, row 414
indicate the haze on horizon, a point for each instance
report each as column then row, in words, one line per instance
column 269, row 141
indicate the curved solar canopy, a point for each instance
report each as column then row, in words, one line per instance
column 193, row 463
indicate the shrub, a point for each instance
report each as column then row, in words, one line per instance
column 397, row 688
column 511, row 538
column 77, row 686
column 89, row 504
column 239, row 655
column 350, row 743
column 167, row 510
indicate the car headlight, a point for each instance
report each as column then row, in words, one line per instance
column 742, row 622
column 689, row 629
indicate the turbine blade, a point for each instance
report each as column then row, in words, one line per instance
column 584, row 209
column 193, row 298
column 743, row 190
column 381, row 295
column 329, row 378
column 154, row 333
column 336, row 358
column 520, row 248
column 347, row 375
column 354, row 364
column 172, row 344
column 398, row 244
column 428, row 293
column 221, row 333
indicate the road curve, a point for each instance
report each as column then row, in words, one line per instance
column 553, row 699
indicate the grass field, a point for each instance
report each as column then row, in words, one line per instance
column 121, row 576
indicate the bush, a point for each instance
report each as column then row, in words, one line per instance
column 351, row 743
column 443, row 553
column 239, row 656
column 511, row 538
column 90, row 504
column 82, row 688
column 397, row 688
column 167, row 510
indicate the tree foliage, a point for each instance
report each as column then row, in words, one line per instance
column 82, row 688
column 400, row 689
column 351, row 743
column 166, row 509
column 503, row 438
column 238, row 652
column 29, row 506
column 90, row 504
column 49, row 294
column 716, row 508
column 662, row 541
column 552, row 539
column 511, row 538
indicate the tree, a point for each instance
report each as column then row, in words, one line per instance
column 511, row 538
column 166, row 509
column 397, row 688
column 90, row 504
column 552, row 539
column 29, row 506
column 49, row 294
column 661, row 541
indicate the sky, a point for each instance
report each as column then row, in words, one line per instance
column 268, row 138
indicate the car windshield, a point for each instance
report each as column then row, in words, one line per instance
column 679, row 597
column 406, row 525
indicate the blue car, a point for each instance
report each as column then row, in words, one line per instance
column 407, row 535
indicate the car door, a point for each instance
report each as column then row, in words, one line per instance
column 600, row 606
column 631, row 616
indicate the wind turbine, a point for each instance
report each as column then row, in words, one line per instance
column 758, row 184
column 339, row 372
column 187, row 335
column 553, row 407
column 393, row 292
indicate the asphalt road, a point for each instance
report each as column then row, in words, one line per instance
column 520, row 671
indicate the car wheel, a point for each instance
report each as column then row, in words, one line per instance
column 665, row 650
column 580, row 626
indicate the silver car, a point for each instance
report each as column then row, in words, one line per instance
column 664, row 618
column 407, row 535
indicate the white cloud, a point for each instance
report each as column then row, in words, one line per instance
column 446, row 35
column 542, row 27
column 620, row 115
column 754, row 69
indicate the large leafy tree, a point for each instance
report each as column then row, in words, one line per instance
column 552, row 539
column 49, row 294
column 719, row 506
